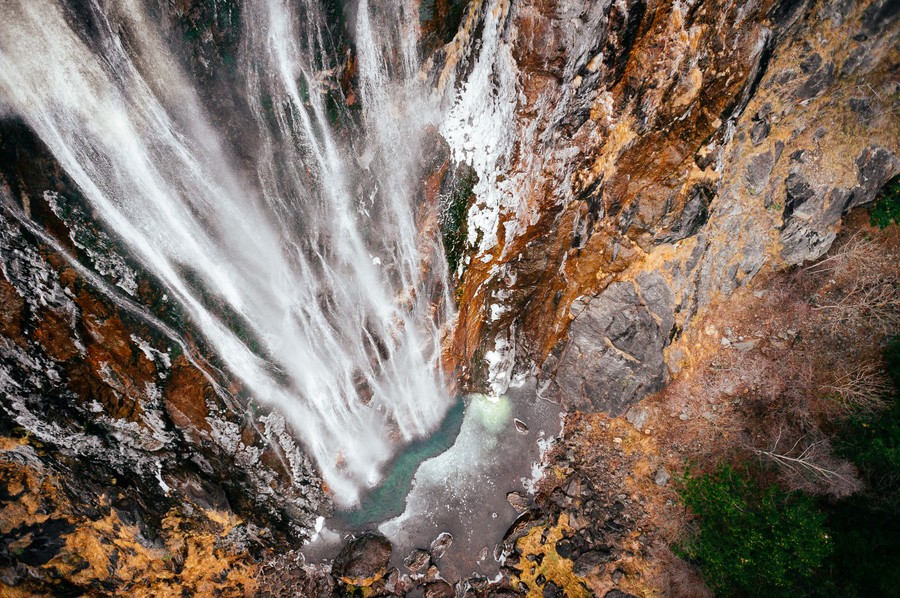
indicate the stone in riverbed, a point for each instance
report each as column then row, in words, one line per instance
column 439, row 589
column 418, row 560
column 441, row 544
column 363, row 560
column 518, row 501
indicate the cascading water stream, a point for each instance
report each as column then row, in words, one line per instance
column 316, row 254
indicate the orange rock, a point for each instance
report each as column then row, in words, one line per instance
column 185, row 396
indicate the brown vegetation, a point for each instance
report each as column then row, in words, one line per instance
column 779, row 365
column 764, row 379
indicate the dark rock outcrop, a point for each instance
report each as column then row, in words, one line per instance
column 614, row 355
column 363, row 560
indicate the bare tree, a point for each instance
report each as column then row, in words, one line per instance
column 876, row 304
column 863, row 389
column 864, row 286
column 809, row 464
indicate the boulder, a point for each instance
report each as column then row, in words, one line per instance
column 363, row 560
column 441, row 544
column 418, row 560
column 614, row 355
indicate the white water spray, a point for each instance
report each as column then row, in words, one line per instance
column 315, row 253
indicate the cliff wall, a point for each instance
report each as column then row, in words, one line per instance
column 663, row 155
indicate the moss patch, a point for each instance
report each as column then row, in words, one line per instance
column 454, row 207
column 886, row 209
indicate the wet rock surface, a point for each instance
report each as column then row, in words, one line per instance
column 363, row 560
column 441, row 544
column 700, row 177
column 108, row 384
column 418, row 560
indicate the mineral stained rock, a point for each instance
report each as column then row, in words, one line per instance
column 678, row 147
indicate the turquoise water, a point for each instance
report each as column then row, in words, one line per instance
column 388, row 500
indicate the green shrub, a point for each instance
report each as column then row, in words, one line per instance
column 872, row 443
column 453, row 216
column 866, row 527
column 886, row 209
column 753, row 540
column 866, row 560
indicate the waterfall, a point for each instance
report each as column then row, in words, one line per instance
column 314, row 249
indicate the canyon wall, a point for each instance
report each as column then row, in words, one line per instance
column 662, row 154
column 637, row 162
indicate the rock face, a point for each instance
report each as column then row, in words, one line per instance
column 62, row 535
column 698, row 143
column 125, row 412
column 614, row 355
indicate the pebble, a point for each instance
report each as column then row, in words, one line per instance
column 441, row 544
column 746, row 345
column 662, row 476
